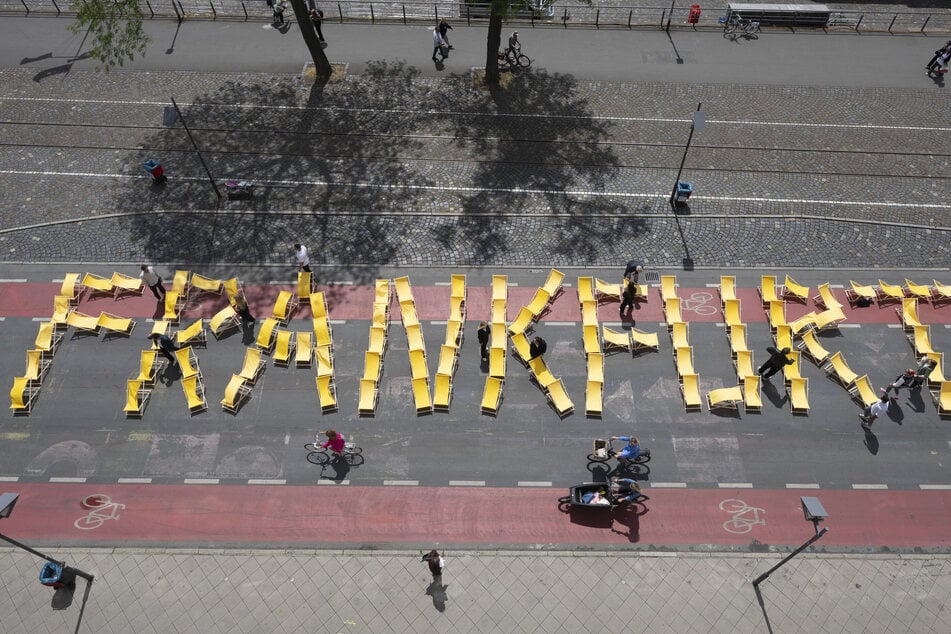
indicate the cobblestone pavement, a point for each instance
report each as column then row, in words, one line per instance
column 559, row 172
column 392, row 591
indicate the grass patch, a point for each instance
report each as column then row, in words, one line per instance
column 506, row 80
column 309, row 76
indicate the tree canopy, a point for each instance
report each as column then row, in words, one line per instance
column 115, row 30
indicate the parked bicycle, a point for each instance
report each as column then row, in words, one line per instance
column 736, row 23
column 320, row 455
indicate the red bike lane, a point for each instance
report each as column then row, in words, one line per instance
column 210, row 515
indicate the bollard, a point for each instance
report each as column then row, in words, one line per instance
column 372, row 15
column 630, row 14
column 925, row 24
column 404, row 14
column 892, row 23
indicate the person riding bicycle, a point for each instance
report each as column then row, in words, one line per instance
column 335, row 441
column 628, row 491
column 514, row 45
column 630, row 452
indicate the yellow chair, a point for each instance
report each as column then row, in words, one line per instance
column 173, row 305
column 807, row 321
column 889, row 292
column 589, row 313
column 71, row 289
column 418, row 366
column 265, row 340
column 738, row 339
column 838, row 369
column 125, row 285
column 458, row 287
column 539, row 303
column 919, row 291
column 188, row 362
column 283, row 348
column 585, row 290
column 368, row 396
column 318, row 305
column 594, row 399
column 442, row 392
column 607, row 292
column 559, row 399
column 305, row 285
column 731, row 313
column 201, row 285
column 404, row 291
column 424, row 402
column 795, row 291
column 672, row 311
column 147, row 363
column 36, row 366
column 859, row 291
column 791, row 371
column 523, row 321
column 724, row 397
column 813, row 348
column 937, row 375
column 454, row 332
column 254, row 365
column 644, row 340
column 98, row 285
column 777, row 314
column 942, row 399
column 414, row 337
column 826, row 299
column 284, row 307
column 194, row 394
column 304, row 350
column 447, row 360
column 909, row 313
column 684, row 361
column 727, row 288
column 592, row 342
column 61, row 310
column 829, row 319
column 408, row 313
column 325, row 366
column 381, row 293
column 160, row 327
column 668, row 287
column 921, row 340
column 498, row 311
column 323, row 334
column 784, row 338
column 372, row 366
column 180, row 283
column 235, row 393
column 522, row 348
column 377, row 339
column 497, row 362
column 47, row 339
column 540, row 373
column 499, row 287
column 232, row 288
column 456, row 305
column 613, row 340
column 115, row 324
column 744, row 364
column 22, row 395
column 799, row 396
column 596, row 367
column 492, row 395
column 863, row 392
column 83, row 322
column 497, row 335
column 136, row 398
column 224, row 321
column 752, row 400
column 690, row 388
column 942, row 293
column 767, row 290
column 327, row 394
column 552, row 286
column 193, row 335
column 679, row 335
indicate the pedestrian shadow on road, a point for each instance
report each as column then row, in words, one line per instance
column 169, row 374
column 895, row 413
column 773, row 395
column 916, row 402
column 871, row 442
column 437, row 591
column 630, row 516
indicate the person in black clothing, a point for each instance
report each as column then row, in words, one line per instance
column 777, row 359
column 241, row 307
column 444, row 28
column 633, row 270
column 628, row 295
column 166, row 347
column 537, row 347
column 483, row 334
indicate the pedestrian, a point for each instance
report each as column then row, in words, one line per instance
column 444, row 28
column 303, row 262
column 925, row 366
column 873, row 412
column 628, row 296
column 439, row 45
column 154, row 281
column 279, row 7
column 940, row 64
column 317, row 17
column 241, row 307
column 905, row 379
column 537, row 348
column 166, row 347
column 436, row 563
column 633, row 270
column 938, row 53
column 483, row 334
column 777, row 359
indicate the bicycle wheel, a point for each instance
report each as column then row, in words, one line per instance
column 318, row 458
column 354, row 459
column 523, row 61
column 596, row 458
column 730, row 28
column 751, row 28
column 732, row 505
column 312, row 447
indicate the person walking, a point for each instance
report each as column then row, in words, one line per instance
column 905, row 379
column 940, row 63
column 317, row 17
column 166, row 347
column 628, row 295
column 279, row 7
column 777, row 359
column 874, row 411
column 925, row 367
column 438, row 45
column 483, row 334
column 303, row 261
column 444, row 28
column 436, row 563
column 938, row 53
column 537, row 348
column 633, row 271
column 154, row 281
column 241, row 307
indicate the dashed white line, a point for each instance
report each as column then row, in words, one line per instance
column 561, row 323
column 68, row 480
column 890, row 325
column 735, row 485
column 340, row 482
column 265, row 481
column 401, row 483
column 338, row 322
column 134, row 481
column 18, row 281
column 803, row 485
column 668, row 485
column 531, row 483
column 869, row 487
column 438, row 322
column 850, row 325
column 201, row 480
column 935, row 487
column 467, row 483
column 9, row 478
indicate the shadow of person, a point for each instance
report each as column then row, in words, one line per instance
column 915, row 400
column 895, row 412
column 341, row 468
column 247, row 332
column 773, row 394
column 170, row 373
column 871, row 442
column 437, row 591
column 599, row 471
column 629, row 515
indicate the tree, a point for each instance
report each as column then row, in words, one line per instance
column 115, row 27
column 321, row 63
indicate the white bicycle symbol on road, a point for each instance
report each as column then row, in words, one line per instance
column 744, row 518
column 101, row 508
column 700, row 303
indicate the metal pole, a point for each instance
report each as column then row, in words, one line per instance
column 84, row 575
column 808, row 543
column 671, row 15
column 673, row 193
column 197, row 151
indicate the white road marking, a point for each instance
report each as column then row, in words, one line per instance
column 201, row 480
column 804, row 485
column 467, row 483
column 134, row 481
column 869, row 487
column 342, row 482
column 530, row 483
column 401, row 483
column 668, row 485
column 560, row 323
column 9, row 478
column 18, row 281
column 935, row 487
column 850, row 325
column 735, row 485
column 73, row 480
column 264, row 481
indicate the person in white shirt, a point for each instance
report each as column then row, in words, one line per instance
column 153, row 281
column 438, row 43
column 303, row 262
column 873, row 412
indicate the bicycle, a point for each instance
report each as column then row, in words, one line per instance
column 513, row 59
column 734, row 22
column 318, row 455
column 603, row 451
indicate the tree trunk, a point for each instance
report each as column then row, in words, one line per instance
column 321, row 63
column 492, row 46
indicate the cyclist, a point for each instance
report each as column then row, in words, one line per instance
column 628, row 491
column 514, row 45
column 630, row 452
column 335, row 441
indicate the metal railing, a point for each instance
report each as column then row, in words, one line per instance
column 545, row 15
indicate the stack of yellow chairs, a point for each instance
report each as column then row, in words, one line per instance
column 373, row 359
column 492, row 392
column 417, row 347
column 449, row 352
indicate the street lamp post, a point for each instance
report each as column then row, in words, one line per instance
column 698, row 123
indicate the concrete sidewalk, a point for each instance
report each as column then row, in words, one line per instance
column 512, row 591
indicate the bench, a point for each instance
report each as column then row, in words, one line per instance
column 815, row 15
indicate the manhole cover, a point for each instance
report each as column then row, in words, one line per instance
column 651, row 276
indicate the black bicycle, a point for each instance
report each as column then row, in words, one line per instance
column 318, row 455
column 511, row 59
